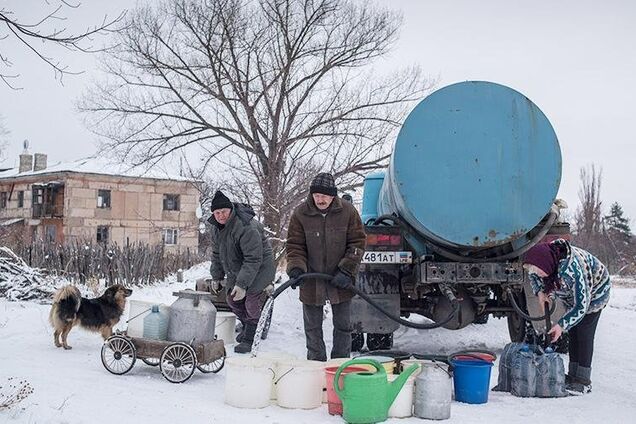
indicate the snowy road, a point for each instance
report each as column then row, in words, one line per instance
column 73, row 387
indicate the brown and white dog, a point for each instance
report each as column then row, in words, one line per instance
column 98, row 315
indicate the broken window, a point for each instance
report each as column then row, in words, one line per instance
column 103, row 199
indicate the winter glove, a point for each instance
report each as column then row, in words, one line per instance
column 238, row 293
column 341, row 280
column 293, row 274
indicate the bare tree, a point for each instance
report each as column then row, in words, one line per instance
column 588, row 218
column 273, row 90
column 38, row 37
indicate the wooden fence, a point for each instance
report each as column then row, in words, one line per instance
column 133, row 263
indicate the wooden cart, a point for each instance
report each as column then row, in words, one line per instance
column 176, row 360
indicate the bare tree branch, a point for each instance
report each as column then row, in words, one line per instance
column 269, row 92
column 37, row 37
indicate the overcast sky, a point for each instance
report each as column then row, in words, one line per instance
column 575, row 59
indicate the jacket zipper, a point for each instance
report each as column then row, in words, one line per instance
column 324, row 243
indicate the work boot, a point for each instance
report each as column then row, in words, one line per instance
column 580, row 383
column 241, row 334
column 245, row 346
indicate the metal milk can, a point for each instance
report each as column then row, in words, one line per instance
column 192, row 316
column 433, row 392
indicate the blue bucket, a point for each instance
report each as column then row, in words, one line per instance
column 472, row 380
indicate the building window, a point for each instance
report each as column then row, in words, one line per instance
column 21, row 198
column 170, row 236
column 38, row 196
column 102, row 234
column 3, row 200
column 51, row 232
column 103, row 199
column 170, row 202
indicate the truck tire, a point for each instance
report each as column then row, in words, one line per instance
column 377, row 341
column 357, row 342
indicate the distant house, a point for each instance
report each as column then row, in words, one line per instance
column 92, row 199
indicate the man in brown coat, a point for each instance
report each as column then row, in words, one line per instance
column 325, row 235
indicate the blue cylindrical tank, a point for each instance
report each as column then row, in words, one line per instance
column 476, row 164
column 371, row 193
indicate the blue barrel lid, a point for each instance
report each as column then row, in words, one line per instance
column 475, row 164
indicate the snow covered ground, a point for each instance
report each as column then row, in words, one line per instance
column 73, row 386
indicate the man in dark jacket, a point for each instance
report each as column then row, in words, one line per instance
column 325, row 235
column 243, row 255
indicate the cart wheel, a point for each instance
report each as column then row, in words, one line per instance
column 214, row 366
column 118, row 355
column 178, row 362
column 153, row 362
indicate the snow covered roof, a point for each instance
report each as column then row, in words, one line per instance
column 100, row 166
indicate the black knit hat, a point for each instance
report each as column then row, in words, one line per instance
column 323, row 183
column 220, row 201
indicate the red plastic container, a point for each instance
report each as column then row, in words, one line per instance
column 334, row 404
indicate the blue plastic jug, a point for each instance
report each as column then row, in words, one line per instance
column 156, row 324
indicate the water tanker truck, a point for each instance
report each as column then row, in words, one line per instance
column 471, row 185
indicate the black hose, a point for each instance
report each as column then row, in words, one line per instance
column 370, row 301
column 519, row 311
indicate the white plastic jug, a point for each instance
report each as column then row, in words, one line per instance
column 137, row 312
column 402, row 406
column 156, row 324
column 433, row 392
column 225, row 327
column 276, row 358
column 299, row 384
column 248, row 382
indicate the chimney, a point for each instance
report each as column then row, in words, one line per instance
column 40, row 162
column 26, row 159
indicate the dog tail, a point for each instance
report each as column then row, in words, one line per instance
column 66, row 303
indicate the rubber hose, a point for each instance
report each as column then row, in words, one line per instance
column 519, row 311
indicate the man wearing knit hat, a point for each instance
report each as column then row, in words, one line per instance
column 325, row 235
column 243, row 255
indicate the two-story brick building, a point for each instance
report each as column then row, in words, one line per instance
column 92, row 199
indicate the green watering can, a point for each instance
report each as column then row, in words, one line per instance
column 366, row 397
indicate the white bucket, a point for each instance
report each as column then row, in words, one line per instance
column 138, row 310
column 248, row 382
column 299, row 384
column 402, row 406
column 225, row 327
column 275, row 358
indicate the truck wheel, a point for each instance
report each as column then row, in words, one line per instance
column 357, row 341
column 379, row 341
column 481, row 319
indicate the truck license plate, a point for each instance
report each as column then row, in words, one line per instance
column 387, row 258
